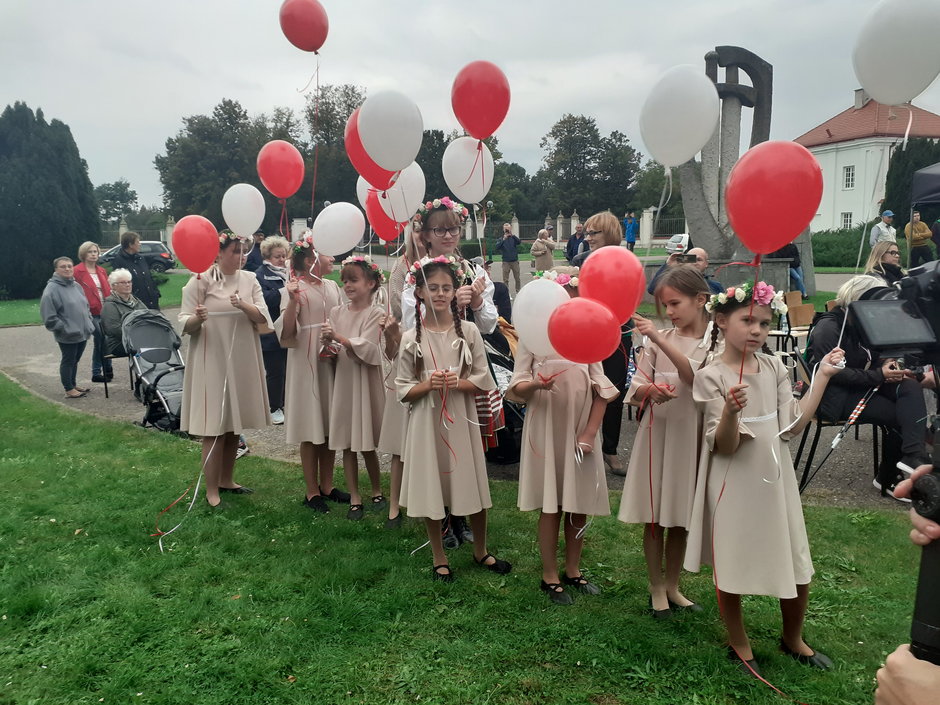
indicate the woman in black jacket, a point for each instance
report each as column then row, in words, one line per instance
column 273, row 275
column 884, row 262
column 899, row 402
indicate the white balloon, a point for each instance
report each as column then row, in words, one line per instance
column 391, row 129
column 897, row 54
column 362, row 191
column 468, row 171
column 404, row 197
column 680, row 115
column 243, row 209
column 531, row 310
column 338, row 229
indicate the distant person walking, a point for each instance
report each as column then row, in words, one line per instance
column 128, row 258
column 64, row 311
column 508, row 247
column 631, row 228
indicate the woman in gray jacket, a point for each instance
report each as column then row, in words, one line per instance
column 64, row 310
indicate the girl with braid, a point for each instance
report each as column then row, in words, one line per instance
column 441, row 366
column 747, row 520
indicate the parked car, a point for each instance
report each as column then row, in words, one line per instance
column 156, row 254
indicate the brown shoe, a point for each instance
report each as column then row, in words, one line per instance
column 616, row 467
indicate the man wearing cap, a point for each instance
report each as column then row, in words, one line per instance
column 918, row 234
column 508, row 247
column 882, row 230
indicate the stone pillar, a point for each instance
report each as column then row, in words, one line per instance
column 559, row 225
column 575, row 222
column 122, row 227
column 730, row 141
column 514, row 224
column 646, row 226
column 168, row 230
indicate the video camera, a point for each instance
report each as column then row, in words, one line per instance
column 902, row 322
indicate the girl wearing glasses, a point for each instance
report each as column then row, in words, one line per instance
column 885, row 262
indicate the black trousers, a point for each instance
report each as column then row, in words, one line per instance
column 615, row 367
column 921, row 255
column 275, row 372
column 68, row 365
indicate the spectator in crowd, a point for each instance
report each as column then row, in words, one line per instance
column 700, row 263
column 543, row 257
column 918, row 236
column 935, row 233
column 115, row 309
column 575, row 243
column 792, row 253
column 882, row 231
column 508, row 247
column 128, row 258
column 64, row 310
column 885, row 262
column 256, row 256
column 631, row 228
column 898, row 403
column 94, row 282
column 272, row 276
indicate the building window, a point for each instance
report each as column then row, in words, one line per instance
column 848, row 178
column 846, row 221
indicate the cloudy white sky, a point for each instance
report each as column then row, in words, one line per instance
column 122, row 74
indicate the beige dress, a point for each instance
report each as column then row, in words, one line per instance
column 661, row 491
column 444, row 461
column 309, row 386
column 542, row 257
column 549, row 474
column 394, row 422
column 224, row 389
column 358, row 388
column 757, row 529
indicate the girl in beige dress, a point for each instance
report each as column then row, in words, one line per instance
column 224, row 388
column 561, row 472
column 306, row 300
column 354, row 330
column 660, row 483
column 441, row 366
column 747, row 520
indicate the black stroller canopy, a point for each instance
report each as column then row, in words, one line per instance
column 925, row 186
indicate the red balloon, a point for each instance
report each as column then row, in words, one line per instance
column 384, row 227
column 281, row 168
column 582, row 330
column 361, row 161
column 304, row 23
column 195, row 242
column 480, row 97
column 772, row 194
column 614, row 277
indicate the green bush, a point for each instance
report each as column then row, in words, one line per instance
column 159, row 277
column 839, row 248
column 470, row 249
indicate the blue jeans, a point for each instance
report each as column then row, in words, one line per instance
column 796, row 276
column 68, row 365
column 97, row 356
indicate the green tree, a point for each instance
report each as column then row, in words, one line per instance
column 615, row 176
column 920, row 152
column 325, row 115
column 115, row 199
column 568, row 174
column 648, row 191
column 46, row 199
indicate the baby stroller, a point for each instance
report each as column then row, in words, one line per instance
column 156, row 367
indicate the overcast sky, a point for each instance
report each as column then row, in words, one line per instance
column 123, row 74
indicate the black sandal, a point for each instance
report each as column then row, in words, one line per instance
column 497, row 566
column 581, row 584
column 379, row 502
column 241, row 489
column 447, row 577
column 556, row 593
column 355, row 512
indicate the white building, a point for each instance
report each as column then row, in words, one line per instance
column 854, row 149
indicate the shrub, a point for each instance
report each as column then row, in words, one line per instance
column 839, row 248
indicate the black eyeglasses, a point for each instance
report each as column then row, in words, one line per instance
column 894, row 253
column 441, row 232
column 592, row 233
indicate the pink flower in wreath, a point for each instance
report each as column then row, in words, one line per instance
column 763, row 294
column 446, row 202
column 563, row 279
column 730, row 292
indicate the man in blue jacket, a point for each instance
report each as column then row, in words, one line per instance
column 631, row 229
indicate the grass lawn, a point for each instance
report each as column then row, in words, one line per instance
column 265, row 602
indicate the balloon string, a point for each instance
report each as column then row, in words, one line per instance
column 316, row 75
column 476, row 161
column 910, row 121
column 282, row 222
column 750, row 312
column 483, row 235
column 316, row 132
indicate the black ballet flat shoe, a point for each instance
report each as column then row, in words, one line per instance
column 556, row 593
column 394, row 523
column 237, row 490
column 336, row 495
column 355, row 512
column 659, row 614
column 581, row 584
column 749, row 666
column 317, row 504
column 497, row 566
column 694, row 607
column 816, row 660
column 379, row 502
column 447, row 577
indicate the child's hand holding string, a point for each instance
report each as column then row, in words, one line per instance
column 389, row 325
column 736, row 399
column 438, row 380
column 645, row 327
column 661, row 393
column 833, row 363
column 326, row 332
column 293, row 289
column 476, row 293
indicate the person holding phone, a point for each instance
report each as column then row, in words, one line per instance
column 695, row 256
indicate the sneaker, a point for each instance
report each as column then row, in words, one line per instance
column 242, row 448
column 890, row 490
column 277, row 417
column 450, row 539
column 461, row 529
column 98, row 378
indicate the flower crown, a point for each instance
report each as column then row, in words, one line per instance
column 762, row 292
column 227, row 235
column 304, row 244
column 367, row 261
column 449, row 260
column 558, row 278
column 458, row 208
